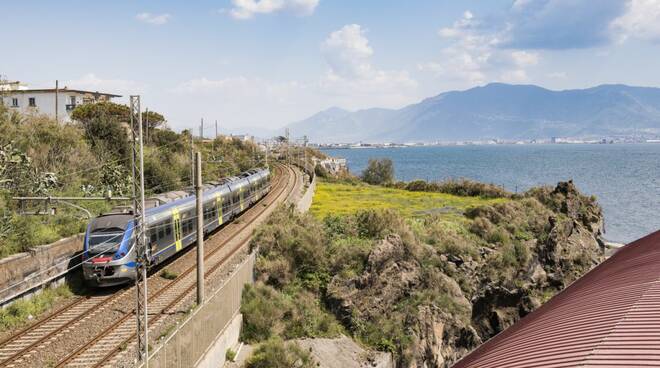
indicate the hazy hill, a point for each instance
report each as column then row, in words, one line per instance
column 496, row 111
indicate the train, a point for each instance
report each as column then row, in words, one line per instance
column 108, row 257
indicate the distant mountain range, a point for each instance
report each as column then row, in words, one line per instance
column 496, row 111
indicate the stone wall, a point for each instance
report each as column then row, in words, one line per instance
column 24, row 273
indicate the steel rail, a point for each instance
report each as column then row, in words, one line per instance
column 61, row 311
column 72, row 356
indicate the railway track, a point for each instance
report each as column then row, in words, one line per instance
column 19, row 347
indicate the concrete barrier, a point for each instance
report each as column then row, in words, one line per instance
column 24, row 273
column 306, row 201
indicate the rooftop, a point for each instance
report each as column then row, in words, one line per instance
column 610, row 317
column 62, row 90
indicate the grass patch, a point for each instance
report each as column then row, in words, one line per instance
column 168, row 275
column 342, row 198
column 19, row 312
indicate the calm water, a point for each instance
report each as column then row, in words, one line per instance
column 625, row 178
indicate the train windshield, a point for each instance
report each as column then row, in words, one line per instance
column 104, row 242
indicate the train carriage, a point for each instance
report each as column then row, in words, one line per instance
column 109, row 255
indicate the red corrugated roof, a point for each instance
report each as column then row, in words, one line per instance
column 610, row 317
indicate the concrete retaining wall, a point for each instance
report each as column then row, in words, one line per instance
column 24, row 273
column 203, row 338
column 306, row 201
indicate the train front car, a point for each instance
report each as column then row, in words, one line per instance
column 108, row 259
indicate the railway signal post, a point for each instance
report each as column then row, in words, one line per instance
column 141, row 312
column 200, row 228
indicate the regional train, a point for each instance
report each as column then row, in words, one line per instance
column 109, row 252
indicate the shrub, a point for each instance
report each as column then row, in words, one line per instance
column 168, row 275
column 268, row 312
column 275, row 353
column 320, row 171
column 230, row 355
column 290, row 246
column 262, row 307
column 379, row 172
column 377, row 224
column 469, row 188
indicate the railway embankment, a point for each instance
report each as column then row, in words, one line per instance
column 24, row 273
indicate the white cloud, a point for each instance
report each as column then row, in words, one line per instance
column 92, row 82
column 352, row 74
column 351, row 81
column 525, row 58
column 347, row 51
column 472, row 55
column 247, row 9
column 641, row 20
column 155, row 19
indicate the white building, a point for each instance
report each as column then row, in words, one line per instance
column 48, row 101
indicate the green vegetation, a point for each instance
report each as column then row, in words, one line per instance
column 168, row 275
column 230, row 355
column 379, row 172
column 21, row 311
column 91, row 157
column 460, row 187
column 382, row 263
column 276, row 353
column 340, row 198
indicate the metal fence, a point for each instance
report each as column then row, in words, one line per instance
column 191, row 340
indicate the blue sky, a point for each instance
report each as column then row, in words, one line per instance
column 250, row 63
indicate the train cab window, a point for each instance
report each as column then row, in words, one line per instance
column 161, row 232
column 168, row 230
column 152, row 236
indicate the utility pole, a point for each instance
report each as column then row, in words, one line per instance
column 216, row 129
column 200, row 229
column 192, row 158
column 266, row 144
column 57, row 100
column 201, row 130
column 141, row 312
column 146, row 124
column 288, row 153
column 305, row 152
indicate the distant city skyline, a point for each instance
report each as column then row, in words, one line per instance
column 267, row 63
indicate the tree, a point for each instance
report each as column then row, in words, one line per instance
column 120, row 113
column 105, row 110
column 379, row 172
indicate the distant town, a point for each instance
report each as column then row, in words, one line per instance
column 552, row 140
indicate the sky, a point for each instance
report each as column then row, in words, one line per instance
column 257, row 65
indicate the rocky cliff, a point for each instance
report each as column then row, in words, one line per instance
column 478, row 295
column 427, row 289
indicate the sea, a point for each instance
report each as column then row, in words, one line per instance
column 624, row 177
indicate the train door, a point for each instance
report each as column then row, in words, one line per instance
column 176, row 219
column 241, row 197
column 218, row 205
